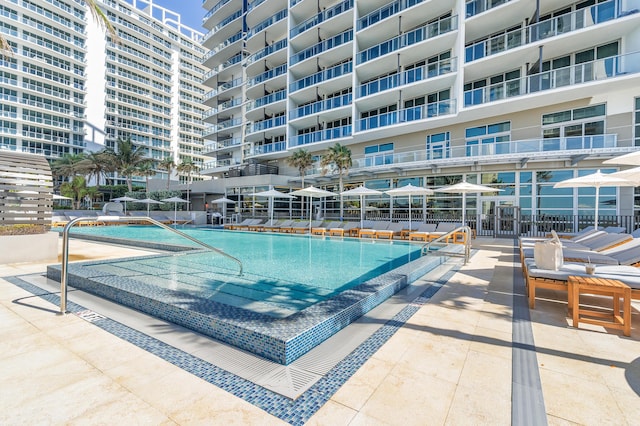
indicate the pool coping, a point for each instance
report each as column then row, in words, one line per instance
column 282, row 340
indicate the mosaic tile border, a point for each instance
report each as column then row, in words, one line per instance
column 280, row 340
column 295, row 412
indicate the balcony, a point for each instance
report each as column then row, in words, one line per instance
column 320, row 106
column 280, row 95
column 409, row 38
column 518, row 151
column 321, row 76
column 267, row 75
column 323, row 46
column 413, row 75
column 279, row 45
column 407, row 115
column 385, row 11
column 558, row 25
column 270, row 123
column 475, row 7
column 268, row 148
column 321, row 135
column 268, row 22
column 321, row 17
column 598, row 70
column 222, row 145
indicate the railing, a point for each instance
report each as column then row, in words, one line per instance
column 65, row 249
column 323, row 46
column 267, row 75
column 321, row 135
column 444, row 66
column 268, row 148
column 324, row 105
column 461, row 234
column 321, row 17
column 385, row 12
column 268, row 50
column 324, row 75
column 259, row 126
column 407, row 115
column 412, row 37
column 278, row 96
column 475, row 7
column 601, row 69
column 573, row 21
column 268, row 22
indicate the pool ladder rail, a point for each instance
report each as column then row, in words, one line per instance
column 461, row 235
column 65, row 248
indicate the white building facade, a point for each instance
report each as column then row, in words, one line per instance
column 515, row 94
column 69, row 88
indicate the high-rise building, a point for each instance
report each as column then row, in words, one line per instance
column 70, row 88
column 517, row 94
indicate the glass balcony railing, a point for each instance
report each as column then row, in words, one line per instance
column 236, row 37
column 321, row 135
column 529, row 147
column 227, row 143
column 321, row 76
column 323, row 46
column 213, row 10
column 235, row 15
column 324, row 105
column 279, row 45
column 280, row 95
column 408, row 114
column 267, row 124
column 415, row 36
column 267, row 75
column 321, row 17
column 413, row 75
column 385, row 12
column 573, row 21
column 601, row 69
column 230, row 62
column 475, row 7
column 268, row 148
column 268, row 22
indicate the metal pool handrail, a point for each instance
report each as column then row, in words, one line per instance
column 65, row 248
column 443, row 241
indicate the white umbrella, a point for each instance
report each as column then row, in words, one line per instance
column 630, row 174
column 271, row 194
column 125, row 199
column 362, row 192
column 631, row 158
column 175, row 201
column 594, row 180
column 465, row 188
column 224, row 201
column 148, row 202
column 409, row 190
column 312, row 192
column 61, row 197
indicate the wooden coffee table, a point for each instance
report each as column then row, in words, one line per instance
column 617, row 318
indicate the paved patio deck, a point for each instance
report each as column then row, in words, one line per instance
column 462, row 358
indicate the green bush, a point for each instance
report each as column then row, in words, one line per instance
column 23, row 229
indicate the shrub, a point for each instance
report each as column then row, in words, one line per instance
column 23, row 229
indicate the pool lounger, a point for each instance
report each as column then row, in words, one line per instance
column 557, row 280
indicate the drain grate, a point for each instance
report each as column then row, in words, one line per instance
column 89, row 315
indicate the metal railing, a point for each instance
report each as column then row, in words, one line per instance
column 65, row 249
column 464, row 232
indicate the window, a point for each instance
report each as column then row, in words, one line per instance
column 377, row 155
column 491, row 89
column 580, row 128
column 438, row 146
column 488, row 140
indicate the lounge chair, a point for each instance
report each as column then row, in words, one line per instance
column 423, row 232
column 346, row 228
column 322, row 230
column 557, row 280
column 596, row 242
column 232, row 226
column 278, row 226
column 393, row 230
column 245, row 227
column 443, row 229
column 371, row 230
column 259, row 227
column 627, row 253
column 303, row 227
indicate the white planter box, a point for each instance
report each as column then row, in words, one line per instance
column 29, row 248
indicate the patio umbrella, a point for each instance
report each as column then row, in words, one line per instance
column 362, row 192
column 148, row 202
column 630, row 174
column 409, row 190
column 224, row 201
column 465, row 188
column 175, row 201
column 631, row 158
column 594, row 180
column 312, row 192
column 124, row 199
column 271, row 194
column 60, row 197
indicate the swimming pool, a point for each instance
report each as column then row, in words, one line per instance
column 296, row 290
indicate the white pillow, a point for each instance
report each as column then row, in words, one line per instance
column 548, row 255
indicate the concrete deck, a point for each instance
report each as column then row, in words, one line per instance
column 453, row 362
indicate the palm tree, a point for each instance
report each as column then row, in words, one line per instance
column 168, row 165
column 76, row 189
column 68, row 165
column 301, row 160
column 146, row 170
column 97, row 165
column 98, row 16
column 126, row 158
column 187, row 166
column 339, row 158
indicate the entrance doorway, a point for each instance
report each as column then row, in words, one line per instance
column 499, row 217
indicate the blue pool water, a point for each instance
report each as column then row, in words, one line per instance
column 282, row 273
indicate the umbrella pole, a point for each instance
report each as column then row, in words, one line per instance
column 464, row 205
column 362, row 211
column 409, row 212
column 596, row 209
column 310, row 207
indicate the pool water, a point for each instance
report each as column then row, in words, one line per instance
column 282, row 274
